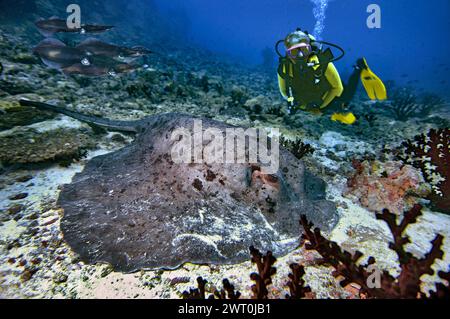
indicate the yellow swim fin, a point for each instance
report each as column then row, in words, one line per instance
column 345, row 118
column 372, row 84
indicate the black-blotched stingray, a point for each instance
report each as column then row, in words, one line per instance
column 136, row 208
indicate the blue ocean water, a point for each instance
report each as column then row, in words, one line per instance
column 411, row 47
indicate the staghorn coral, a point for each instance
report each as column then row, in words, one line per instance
column 431, row 154
column 403, row 104
column 345, row 264
column 392, row 185
column 430, row 102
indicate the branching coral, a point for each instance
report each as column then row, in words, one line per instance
column 297, row 147
column 372, row 282
column 442, row 291
column 296, row 283
column 431, row 154
column 196, row 293
column 430, row 102
column 228, row 291
column 345, row 264
column 275, row 110
column 263, row 278
column 405, row 104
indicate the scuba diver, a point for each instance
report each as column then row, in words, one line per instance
column 309, row 81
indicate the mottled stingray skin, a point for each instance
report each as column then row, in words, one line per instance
column 136, row 209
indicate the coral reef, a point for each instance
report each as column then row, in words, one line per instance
column 227, row 292
column 13, row 114
column 296, row 285
column 36, row 261
column 442, row 290
column 405, row 104
column 346, row 265
column 31, row 146
column 263, row 278
column 389, row 185
column 297, row 147
column 430, row 153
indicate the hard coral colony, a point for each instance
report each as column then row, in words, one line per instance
column 95, row 203
column 347, row 268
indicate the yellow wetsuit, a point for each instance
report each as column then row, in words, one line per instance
column 331, row 75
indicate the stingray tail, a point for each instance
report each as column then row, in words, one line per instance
column 122, row 126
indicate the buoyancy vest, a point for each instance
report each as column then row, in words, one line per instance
column 306, row 83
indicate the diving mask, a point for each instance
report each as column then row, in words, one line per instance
column 299, row 50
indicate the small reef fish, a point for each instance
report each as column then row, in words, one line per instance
column 93, row 46
column 56, row 25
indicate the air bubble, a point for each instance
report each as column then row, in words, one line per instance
column 319, row 12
